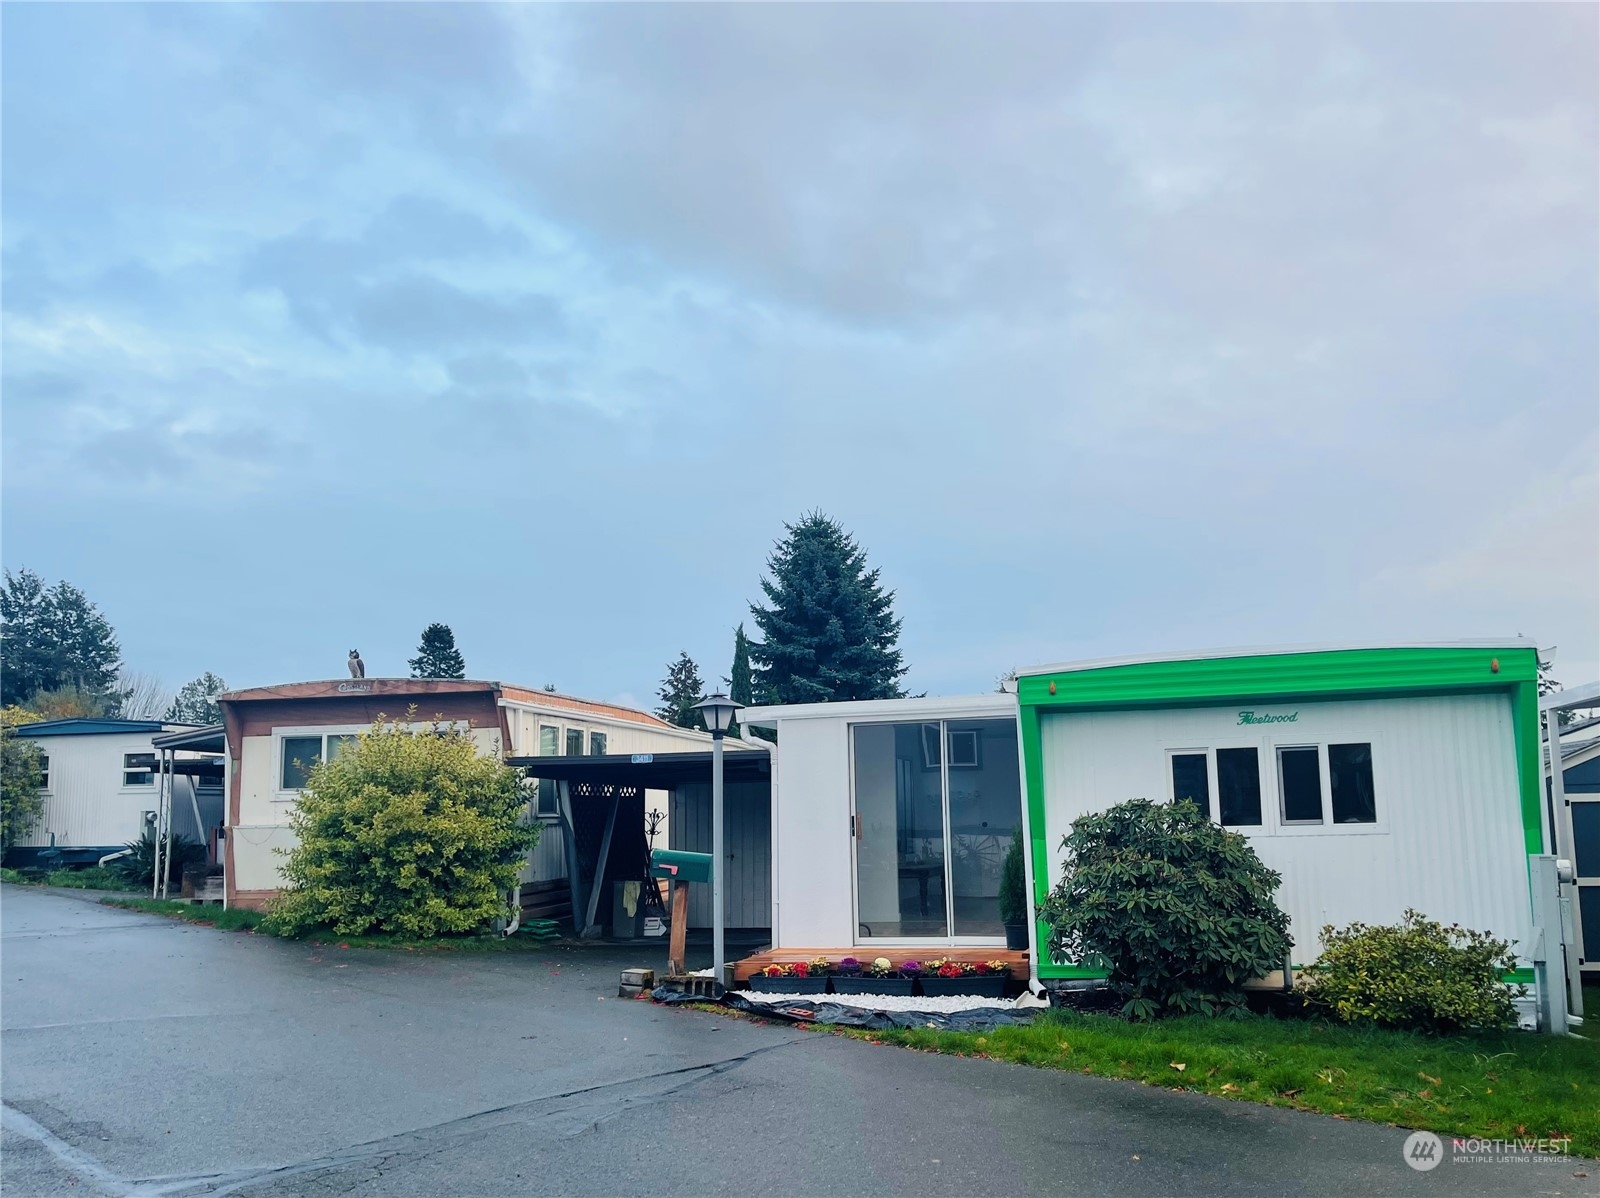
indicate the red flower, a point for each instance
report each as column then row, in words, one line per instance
column 980, row 967
column 801, row 969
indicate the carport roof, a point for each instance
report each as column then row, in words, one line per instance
column 651, row 771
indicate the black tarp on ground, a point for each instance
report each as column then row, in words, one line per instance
column 801, row 1010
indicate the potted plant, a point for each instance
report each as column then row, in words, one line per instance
column 879, row 976
column 982, row 978
column 1014, row 894
column 791, row 978
column 942, row 976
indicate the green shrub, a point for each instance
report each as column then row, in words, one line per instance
column 92, row 877
column 408, row 832
column 1013, row 883
column 21, row 803
column 1417, row 974
column 138, row 868
column 1179, row 909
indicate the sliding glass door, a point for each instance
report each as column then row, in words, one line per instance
column 935, row 804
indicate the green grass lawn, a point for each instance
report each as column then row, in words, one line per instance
column 238, row 919
column 1513, row 1084
column 92, row 877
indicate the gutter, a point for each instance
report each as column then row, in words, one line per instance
column 771, row 748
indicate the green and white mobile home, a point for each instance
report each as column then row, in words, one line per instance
column 1373, row 779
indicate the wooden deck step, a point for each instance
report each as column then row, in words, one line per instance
column 1018, row 960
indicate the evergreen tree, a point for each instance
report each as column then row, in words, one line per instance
column 741, row 686
column 197, row 701
column 54, row 639
column 437, row 656
column 682, row 689
column 830, row 632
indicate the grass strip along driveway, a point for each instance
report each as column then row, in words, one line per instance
column 237, row 919
column 1512, row 1085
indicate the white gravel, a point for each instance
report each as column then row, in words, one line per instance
column 943, row 1005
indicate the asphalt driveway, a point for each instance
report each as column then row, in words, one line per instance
column 142, row 1056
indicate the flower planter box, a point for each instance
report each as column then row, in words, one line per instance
column 811, row 985
column 991, row 985
column 864, row 985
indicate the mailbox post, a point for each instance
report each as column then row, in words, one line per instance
column 681, row 868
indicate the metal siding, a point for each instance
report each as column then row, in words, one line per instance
column 747, row 889
column 87, row 805
column 1450, row 840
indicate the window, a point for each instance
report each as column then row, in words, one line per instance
column 1239, row 788
column 1189, row 780
column 340, row 744
column 549, row 740
column 574, row 742
column 597, row 744
column 138, row 769
column 44, row 771
column 1354, row 800
column 300, row 753
column 1300, row 785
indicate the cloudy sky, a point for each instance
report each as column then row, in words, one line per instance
column 1106, row 330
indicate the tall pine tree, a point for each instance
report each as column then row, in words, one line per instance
column 830, row 632
column 741, row 685
column 680, row 692
column 437, row 656
column 196, row 701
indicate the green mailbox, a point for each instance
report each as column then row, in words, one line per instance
column 680, row 866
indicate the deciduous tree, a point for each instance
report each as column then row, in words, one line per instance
column 196, row 702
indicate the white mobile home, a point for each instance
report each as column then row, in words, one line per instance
column 1372, row 779
column 100, row 790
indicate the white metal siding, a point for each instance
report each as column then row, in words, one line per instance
column 86, row 803
column 811, row 835
column 1449, row 840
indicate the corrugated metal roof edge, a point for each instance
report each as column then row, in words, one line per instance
column 1104, row 663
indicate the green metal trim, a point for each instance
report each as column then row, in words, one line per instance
column 1530, row 771
column 1038, row 844
column 1518, row 977
column 1341, row 673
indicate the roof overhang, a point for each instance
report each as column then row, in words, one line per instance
column 1574, row 697
column 649, row 771
column 944, row 707
column 1102, row 663
column 213, row 739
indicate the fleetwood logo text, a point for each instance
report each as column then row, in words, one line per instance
column 1261, row 717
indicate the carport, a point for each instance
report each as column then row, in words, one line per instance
column 599, row 802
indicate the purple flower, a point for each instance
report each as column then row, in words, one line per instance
column 911, row 968
column 850, row 967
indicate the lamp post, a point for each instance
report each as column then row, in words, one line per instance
column 718, row 711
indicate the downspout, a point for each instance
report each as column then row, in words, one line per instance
column 772, row 817
column 516, row 911
column 1035, row 987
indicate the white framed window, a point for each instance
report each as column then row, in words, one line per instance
column 138, row 769
column 1354, row 798
column 44, row 771
column 296, row 757
column 1299, row 784
column 1239, row 787
column 574, row 742
column 597, row 744
column 1189, row 772
column 549, row 740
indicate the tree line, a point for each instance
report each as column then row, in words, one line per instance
column 827, row 626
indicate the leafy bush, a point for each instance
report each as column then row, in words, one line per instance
column 1417, row 974
column 1180, row 909
column 408, row 832
column 20, row 776
column 1013, row 883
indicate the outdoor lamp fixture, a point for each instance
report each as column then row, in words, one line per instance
column 718, row 711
